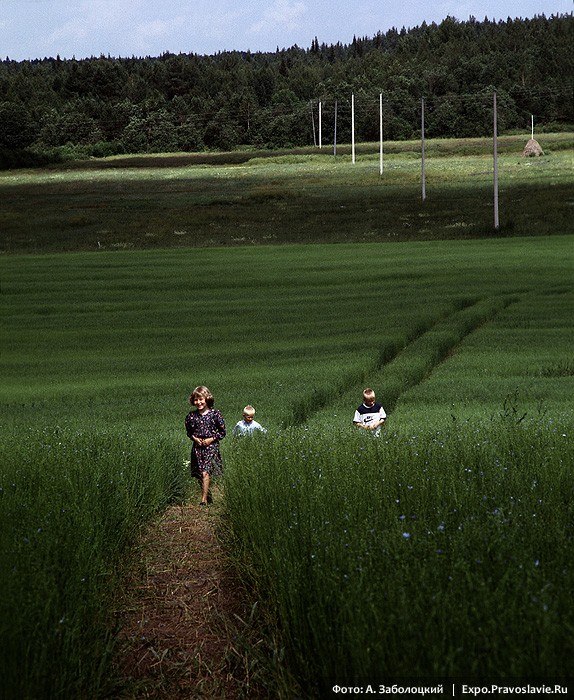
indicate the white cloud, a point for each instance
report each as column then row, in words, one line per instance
column 80, row 24
column 218, row 25
column 149, row 30
column 283, row 15
column 69, row 32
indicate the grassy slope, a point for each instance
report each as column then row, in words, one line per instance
column 113, row 342
column 183, row 201
column 282, row 327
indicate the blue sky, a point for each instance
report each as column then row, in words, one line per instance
column 82, row 28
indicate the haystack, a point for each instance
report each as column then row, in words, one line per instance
column 532, row 149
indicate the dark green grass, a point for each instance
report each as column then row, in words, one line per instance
column 176, row 202
column 426, row 556
column 104, row 348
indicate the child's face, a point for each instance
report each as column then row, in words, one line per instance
column 369, row 400
column 199, row 402
column 247, row 417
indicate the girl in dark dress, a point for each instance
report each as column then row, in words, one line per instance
column 205, row 427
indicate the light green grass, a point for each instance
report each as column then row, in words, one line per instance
column 150, row 327
column 175, row 202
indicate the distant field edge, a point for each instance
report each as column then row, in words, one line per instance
column 555, row 141
column 271, row 248
column 301, row 196
column 131, row 249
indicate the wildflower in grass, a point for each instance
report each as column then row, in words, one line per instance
column 406, row 535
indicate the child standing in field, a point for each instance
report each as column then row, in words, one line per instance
column 370, row 415
column 248, row 426
column 205, row 427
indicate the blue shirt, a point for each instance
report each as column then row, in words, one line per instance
column 245, row 428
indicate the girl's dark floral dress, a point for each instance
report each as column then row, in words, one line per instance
column 210, row 425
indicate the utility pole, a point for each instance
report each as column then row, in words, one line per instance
column 313, row 122
column 353, row 126
column 495, row 148
column 381, row 133
column 423, row 175
column 335, row 132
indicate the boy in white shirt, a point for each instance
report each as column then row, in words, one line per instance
column 370, row 415
column 248, row 426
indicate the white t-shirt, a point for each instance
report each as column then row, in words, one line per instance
column 245, row 428
column 365, row 415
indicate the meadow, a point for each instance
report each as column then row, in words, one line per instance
column 247, row 198
column 441, row 549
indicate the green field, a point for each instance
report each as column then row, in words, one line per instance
column 246, row 198
column 442, row 549
column 147, row 326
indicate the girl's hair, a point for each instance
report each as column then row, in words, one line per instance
column 202, row 391
column 249, row 410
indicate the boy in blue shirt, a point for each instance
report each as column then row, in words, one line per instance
column 248, row 426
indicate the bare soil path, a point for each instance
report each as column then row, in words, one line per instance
column 183, row 633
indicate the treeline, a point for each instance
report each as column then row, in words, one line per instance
column 187, row 102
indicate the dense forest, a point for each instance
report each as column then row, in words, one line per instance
column 101, row 106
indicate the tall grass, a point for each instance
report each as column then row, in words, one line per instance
column 115, row 341
column 414, row 555
column 70, row 504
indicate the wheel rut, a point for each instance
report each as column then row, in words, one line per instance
column 399, row 367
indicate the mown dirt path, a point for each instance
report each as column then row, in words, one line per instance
column 182, row 630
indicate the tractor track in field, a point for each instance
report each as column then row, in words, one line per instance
column 320, row 399
column 447, row 351
column 393, row 352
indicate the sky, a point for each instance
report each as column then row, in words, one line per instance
column 32, row 29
